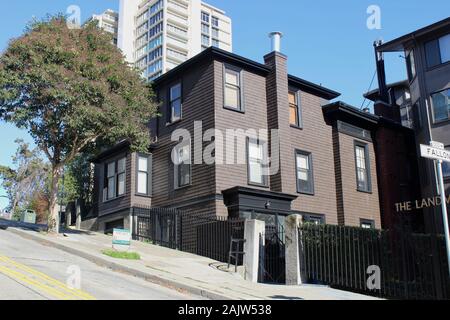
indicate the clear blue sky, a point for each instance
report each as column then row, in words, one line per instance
column 326, row 41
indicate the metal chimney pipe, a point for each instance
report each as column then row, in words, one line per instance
column 276, row 40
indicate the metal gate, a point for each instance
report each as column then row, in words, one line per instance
column 272, row 264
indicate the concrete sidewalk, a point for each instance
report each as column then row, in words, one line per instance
column 183, row 271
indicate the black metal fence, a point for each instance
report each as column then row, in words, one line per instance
column 412, row 266
column 272, row 263
column 188, row 231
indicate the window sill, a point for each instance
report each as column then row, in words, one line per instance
column 296, row 126
column 234, row 109
column 364, row 191
column 141, row 195
column 168, row 124
column 183, row 187
column 261, row 185
column 306, row 193
column 439, row 122
column 113, row 199
column 438, row 66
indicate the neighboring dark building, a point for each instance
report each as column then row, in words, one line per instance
column 327, row 154
column 422, row 102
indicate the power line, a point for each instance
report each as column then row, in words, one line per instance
column 368, row 90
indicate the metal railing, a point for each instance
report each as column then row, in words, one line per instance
column 192, row 232
column 412, row 266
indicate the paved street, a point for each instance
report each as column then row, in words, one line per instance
column 32, row 271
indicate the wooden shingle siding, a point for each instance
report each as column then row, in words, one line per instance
column 357, row 205
column 265, row 106
column 316, row 137
column 198, row 105
column 255, row 117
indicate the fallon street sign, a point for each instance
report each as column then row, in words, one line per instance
column 437, row 152
column 121, row 239
column 432, row 152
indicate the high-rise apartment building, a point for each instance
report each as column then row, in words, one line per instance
column 108, row 21
column 158, row 35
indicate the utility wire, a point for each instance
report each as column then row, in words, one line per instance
column 368, row 90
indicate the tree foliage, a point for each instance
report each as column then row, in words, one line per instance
column 27, row 179
column 72, row 90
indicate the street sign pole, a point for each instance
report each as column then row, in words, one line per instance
column 436, row 151
column 444, row 210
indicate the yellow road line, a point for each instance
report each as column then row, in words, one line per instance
column 48, row 290
column 77, row 292
column 74, row 293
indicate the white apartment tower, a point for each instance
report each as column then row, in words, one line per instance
column 108, row 21
column 158, row 35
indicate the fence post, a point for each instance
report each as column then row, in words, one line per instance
column 295, row 272
column 252, row 230
column 78, row 214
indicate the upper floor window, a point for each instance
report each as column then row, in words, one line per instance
column 410, row 64
column 143, row 174
column 305, row 178
column 438, row 51
column 205, row 17
column 362, row 167
column 295, row 114
column 182, row 165
column 115, row 179
column 367, row 224
column 441, row 105
column 205, row 40
column 175, row 102
column 205, row 28
column 232, row 88
column 215, row 21
column 257, row 162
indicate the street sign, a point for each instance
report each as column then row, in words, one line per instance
column 434, row 153
column 437, row 152
column 437, row 145
column 121, row 239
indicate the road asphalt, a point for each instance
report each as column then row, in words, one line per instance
column 31, row 271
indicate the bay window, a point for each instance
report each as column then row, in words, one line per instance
column 115, row 179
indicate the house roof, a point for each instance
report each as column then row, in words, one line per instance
column 343, row 111
column 216, row 53
column 373, row 95
column 398, row 44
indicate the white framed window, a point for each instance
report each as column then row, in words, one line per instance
column 182, row 165
column 232, row 88
column 205, row 17
column 143, row 174
column 175, row 102
column 367, row 224
column 305, row 177
column 115, row 181
column 257, row 162
column 362, row 167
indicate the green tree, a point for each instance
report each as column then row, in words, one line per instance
column 27, row 178
column 72, row 90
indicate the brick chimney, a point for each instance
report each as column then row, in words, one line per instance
column 278, row 107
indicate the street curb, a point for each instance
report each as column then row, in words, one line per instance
column 123, row 269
